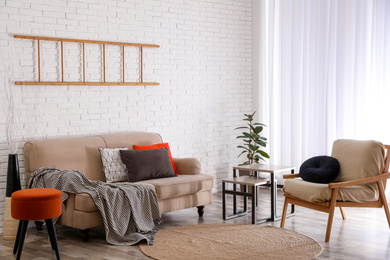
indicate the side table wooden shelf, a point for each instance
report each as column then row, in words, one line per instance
column 253, row 182
column 246, row 181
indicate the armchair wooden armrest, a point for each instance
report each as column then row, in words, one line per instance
column 376, row 178
column 291, row 176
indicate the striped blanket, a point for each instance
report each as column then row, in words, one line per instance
column 130, row 211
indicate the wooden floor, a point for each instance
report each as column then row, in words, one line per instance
column 363, row 235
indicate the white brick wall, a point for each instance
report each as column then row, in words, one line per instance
column 204, row 67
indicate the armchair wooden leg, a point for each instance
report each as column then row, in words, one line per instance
column 386, row 206
column 382, row 197
column 343, row 213
column 285, row 206
column 331, row 213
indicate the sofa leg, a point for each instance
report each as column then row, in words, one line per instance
column 200, row 210
column 39, row 225
column 85, row 234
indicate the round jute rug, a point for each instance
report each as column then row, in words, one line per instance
column 230, row 241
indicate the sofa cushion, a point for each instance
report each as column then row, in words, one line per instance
column 147, row 164
column 79, row 153
column 181, row 185
column 129, row 139
column 318, row 192
column 113, row 167
column 157, row 146
column 166, row 188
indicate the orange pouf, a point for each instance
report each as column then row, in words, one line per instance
column 35, row 204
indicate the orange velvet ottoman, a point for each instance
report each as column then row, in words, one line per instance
column 35, row 204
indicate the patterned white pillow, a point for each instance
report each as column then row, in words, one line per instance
column 113, row 168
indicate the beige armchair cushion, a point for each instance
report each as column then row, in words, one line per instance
column 317, row 192
column 358, row 159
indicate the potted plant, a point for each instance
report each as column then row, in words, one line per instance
column 253, row 141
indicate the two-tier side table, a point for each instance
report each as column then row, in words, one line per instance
column 253, row 181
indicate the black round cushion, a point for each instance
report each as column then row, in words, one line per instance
column 320, row 169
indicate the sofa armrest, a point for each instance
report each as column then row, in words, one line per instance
column 66, row 217
column 188, row 166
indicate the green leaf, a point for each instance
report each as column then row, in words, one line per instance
column 260, row 142
column 241, row 127
column 240, row 146
column 264, row 154
column 249, row 116
column 242, row 153
column 247, row 135
column 258, row 129
column 254, row 147
column 259, row 124
column 252, row 128
column 257, row 157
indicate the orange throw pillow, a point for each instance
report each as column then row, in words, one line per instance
column 157, row 146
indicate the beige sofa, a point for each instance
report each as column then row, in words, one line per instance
column 191, row 188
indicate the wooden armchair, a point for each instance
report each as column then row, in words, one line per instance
column 364, row 170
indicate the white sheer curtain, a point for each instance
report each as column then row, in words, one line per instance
column 321, row 72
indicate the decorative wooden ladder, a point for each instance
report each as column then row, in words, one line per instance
column 83, row 42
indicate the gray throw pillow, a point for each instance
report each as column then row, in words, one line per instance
column 147, row 164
